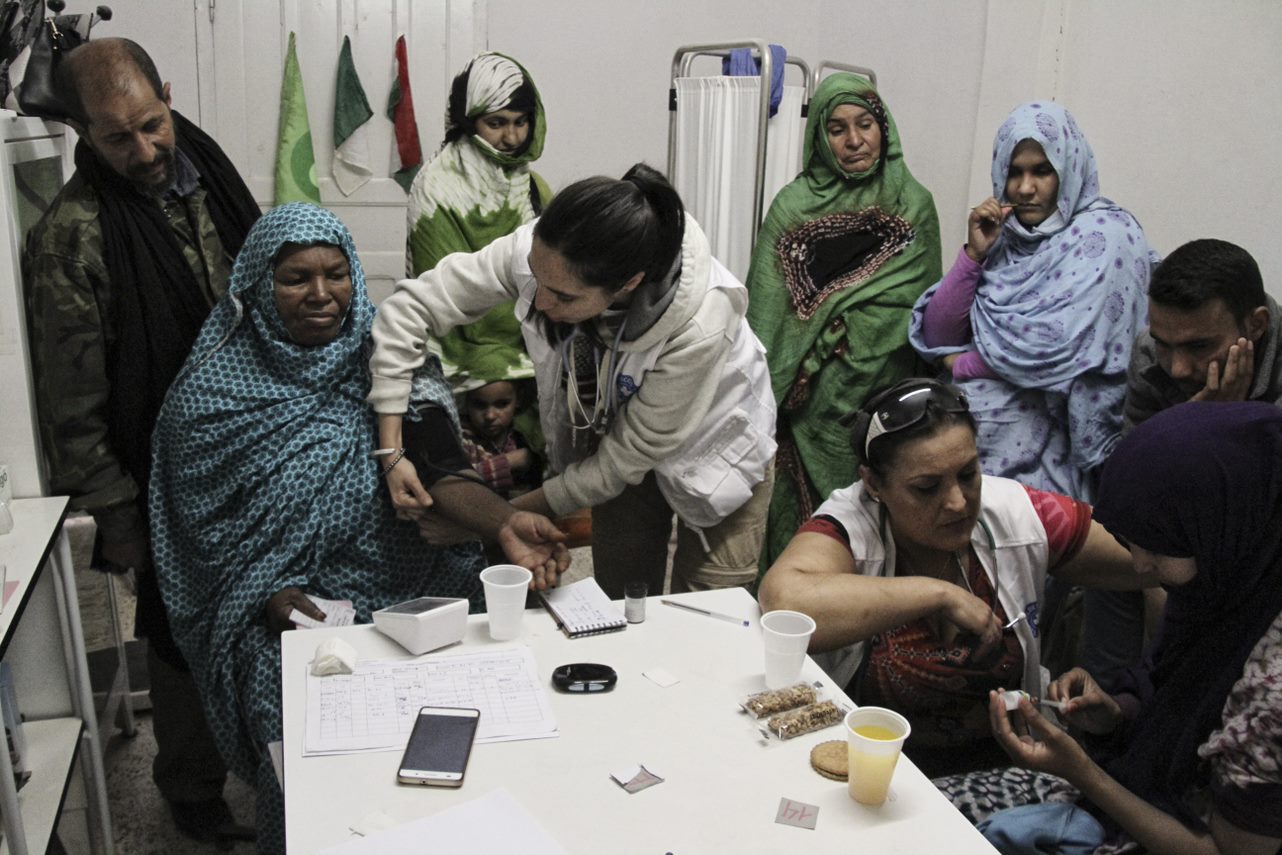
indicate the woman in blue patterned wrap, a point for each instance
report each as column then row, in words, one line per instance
column 1036, row 318
column 265, row 489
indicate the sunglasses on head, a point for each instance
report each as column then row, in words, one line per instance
column 901, row 406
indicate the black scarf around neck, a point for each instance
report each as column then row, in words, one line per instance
column 158, row 303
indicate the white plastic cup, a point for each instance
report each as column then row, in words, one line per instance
column 786, row 637
column 874, row 738
column 505, row 587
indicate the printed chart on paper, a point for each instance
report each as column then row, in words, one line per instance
column 373, row 708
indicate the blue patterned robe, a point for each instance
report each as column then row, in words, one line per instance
column 1056, row 311
column 262, row 479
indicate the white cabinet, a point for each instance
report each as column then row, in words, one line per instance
column 41, row 639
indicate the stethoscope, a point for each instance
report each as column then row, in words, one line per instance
column 605, row 397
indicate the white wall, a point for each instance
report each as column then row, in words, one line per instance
column 1182, row 103
column 1179, row 98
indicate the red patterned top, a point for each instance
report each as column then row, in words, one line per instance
column 940, row 687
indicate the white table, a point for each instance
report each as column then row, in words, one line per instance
column 42, row 640
column 722, row 785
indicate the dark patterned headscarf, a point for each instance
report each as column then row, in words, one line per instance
column 1200, row 480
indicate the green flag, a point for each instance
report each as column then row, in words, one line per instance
column 351, row 166
column 295, row 162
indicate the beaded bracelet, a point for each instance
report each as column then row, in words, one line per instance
column 400, row 452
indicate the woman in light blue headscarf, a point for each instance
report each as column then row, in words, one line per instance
column 1036, row 318
column 265, row 486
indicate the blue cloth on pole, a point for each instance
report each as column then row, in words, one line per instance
column 741, row 63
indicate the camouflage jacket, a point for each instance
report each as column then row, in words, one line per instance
column 70, row 309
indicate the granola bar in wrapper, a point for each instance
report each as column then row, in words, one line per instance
column 807, row 719
column 778, row 700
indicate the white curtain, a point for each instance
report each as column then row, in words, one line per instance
column 716, row 146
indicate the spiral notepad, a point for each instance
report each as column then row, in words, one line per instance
column 583, row 609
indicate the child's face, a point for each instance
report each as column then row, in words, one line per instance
column 491, row 408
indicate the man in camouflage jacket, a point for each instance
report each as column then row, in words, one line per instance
column 133, row 151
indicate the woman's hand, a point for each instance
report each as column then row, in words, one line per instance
column 949, row 360
column 533, row 542
column 1033, row 742
column 983, row 227
column 408, row 493
column 1085, row 705
column 973, row 616
column 283, row 602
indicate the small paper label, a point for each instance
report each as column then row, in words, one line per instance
column 660, row 677
column 634, row 779
column 799, row 814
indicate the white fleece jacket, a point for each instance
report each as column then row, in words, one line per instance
column 696, row 404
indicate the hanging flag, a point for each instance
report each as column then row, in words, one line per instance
column 400, row 109
column 295, row 162
column 351, row 129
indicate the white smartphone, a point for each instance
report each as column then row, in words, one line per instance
column 439, row 746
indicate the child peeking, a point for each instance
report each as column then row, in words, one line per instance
column 498, row 451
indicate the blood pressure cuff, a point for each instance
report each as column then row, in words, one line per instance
column 433, row 447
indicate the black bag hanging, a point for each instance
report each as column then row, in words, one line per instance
column 35, row 93
column 20, row 20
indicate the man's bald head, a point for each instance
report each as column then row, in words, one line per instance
column 101, row 69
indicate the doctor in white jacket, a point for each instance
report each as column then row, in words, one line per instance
column 654, row 395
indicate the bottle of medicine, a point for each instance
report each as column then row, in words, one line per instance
column 634, row 601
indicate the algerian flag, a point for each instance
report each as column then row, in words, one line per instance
column 295, row 162
column 406, row 151
column 351, row 130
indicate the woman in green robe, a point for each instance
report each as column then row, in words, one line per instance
column 846, row 249
column 480, row 187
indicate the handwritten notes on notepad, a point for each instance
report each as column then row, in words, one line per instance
column 583, row 609
column 374, row 707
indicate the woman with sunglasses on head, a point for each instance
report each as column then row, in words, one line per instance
column 924, row 577
column 654, row 394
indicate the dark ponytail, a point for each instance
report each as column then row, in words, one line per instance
column 608, row 229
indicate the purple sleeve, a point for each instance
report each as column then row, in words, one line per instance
column 946, row 320
column 971, row 366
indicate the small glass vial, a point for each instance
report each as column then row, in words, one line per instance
column 634, row 601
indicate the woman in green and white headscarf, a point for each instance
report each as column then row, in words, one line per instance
column 480, row 187
column 846, row 249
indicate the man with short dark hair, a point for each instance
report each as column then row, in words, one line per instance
column 120, row 274
column 1213, row 334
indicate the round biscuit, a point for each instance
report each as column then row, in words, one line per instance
column 830, row 759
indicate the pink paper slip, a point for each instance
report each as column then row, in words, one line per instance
column 9, row 588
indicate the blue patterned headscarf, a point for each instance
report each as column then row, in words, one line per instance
column 262, row 479
column 1067, row 297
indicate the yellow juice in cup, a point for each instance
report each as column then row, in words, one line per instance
column 872, row 731
column 869, row 775
column 875, row 738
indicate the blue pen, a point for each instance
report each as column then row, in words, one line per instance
column 700, row 611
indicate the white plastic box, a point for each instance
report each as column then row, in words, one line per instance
column 425, row 624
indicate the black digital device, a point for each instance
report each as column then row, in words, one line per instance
column 585, row 677
column 439, row 746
